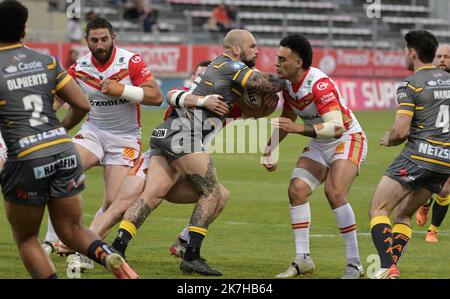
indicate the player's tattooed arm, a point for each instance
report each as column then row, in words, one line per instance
column 207, row 186
column 265, row 82
column 137, row 213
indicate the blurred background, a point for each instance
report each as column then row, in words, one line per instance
column 358, row 42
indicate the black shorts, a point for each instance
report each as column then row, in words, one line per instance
column 414, row 176
column 34, row 182
column 173, row 140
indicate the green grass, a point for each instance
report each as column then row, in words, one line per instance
column 252, row 237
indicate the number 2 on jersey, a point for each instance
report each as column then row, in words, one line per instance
column 34, row 103
column 443, row 117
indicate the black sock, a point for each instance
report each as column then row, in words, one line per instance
column 401, row 233
column 438, row 214
column 382, row 239
column 97, row 251
column 122, row 240
column 193, row 246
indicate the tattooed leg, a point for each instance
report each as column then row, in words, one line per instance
column 200, row 172
column 160, row 178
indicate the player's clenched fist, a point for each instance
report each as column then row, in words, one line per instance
column 112, row 88
column 268, row 163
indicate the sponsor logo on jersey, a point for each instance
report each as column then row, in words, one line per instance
column 340, row 148
column 322, row 85
column 438, row 82
column 23, row 67
column 18, row 57
column 10, row 69
column 435, row 151
column 51, row 168
column 308, row 83
column 108, row 103
column 29, row 140
column 129, row 153
column 136, row 59
column 237, row 65
column 159, row 133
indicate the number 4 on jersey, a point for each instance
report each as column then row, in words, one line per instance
column 442, row 120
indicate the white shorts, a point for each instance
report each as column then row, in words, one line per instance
column 3, row 149
column 141, row 167
column 352, row 147
column 110, row 149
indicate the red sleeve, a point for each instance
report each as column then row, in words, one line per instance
column 71, row 70
column 325, row 96
column 139, row 72
column 286, row 105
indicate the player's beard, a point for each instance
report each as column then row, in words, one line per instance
column 444, row 68
column 250, row 63
column 104, row 55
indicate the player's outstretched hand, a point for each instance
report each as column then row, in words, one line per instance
column 112, row 88
column 285, row 124
column 268, row 163
column 215, row 103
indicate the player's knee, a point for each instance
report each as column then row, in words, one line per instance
column 298, row 192
column 335, row 194
column 205, row 186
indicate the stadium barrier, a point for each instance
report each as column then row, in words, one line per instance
column 367, row 79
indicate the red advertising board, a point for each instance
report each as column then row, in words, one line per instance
column 366, row 79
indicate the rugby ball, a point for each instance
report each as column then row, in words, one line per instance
column 252, row 99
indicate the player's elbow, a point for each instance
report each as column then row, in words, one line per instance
column 154, row 99
column 86, row 107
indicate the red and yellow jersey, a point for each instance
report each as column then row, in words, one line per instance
column 314, row 95
column 112, row 114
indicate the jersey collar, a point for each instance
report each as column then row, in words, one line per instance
column 226, row 55
column 297, row 86
column 425, row 68
column 102, row 67
column 12, row 46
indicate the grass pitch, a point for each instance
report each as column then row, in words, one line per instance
column 252, row 237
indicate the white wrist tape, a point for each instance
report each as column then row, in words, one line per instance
column 332, row 127
column 201, row 101
column 177, row 99
column 133, row 94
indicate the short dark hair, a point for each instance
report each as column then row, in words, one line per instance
column 424, row 42
column 203, row 63
column 13, row 17
column 300, row 46
column 99, row 23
